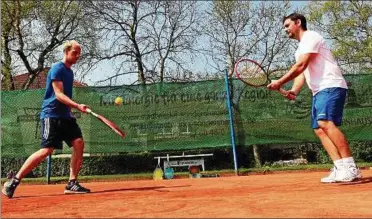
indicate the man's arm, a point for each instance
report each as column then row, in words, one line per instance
column 297, row 68
column 298, row 83
column 58, row 90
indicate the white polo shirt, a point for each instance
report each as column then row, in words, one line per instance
column 322, row 72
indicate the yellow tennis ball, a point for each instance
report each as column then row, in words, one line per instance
column 118, row 101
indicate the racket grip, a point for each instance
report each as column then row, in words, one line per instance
column 91, row 112
column 287, row 94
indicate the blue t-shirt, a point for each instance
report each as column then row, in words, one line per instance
column 51, row 107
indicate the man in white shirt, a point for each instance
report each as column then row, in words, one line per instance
column 316, row 66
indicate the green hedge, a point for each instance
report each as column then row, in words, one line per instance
column 222, row 159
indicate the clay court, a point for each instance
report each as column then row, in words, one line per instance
column 294, row 194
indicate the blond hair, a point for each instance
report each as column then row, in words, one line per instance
column 68, row 44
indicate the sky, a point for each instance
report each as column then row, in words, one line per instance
column 105, row 69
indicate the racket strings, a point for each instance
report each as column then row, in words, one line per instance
column 252, row 74
column 158, row 173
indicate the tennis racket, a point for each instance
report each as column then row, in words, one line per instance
column 169, row 173
column 107, row 122
column 253, row 74
column 158, row 172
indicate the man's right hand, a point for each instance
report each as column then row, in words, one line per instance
column 82, row 107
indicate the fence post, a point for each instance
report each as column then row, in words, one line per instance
column 232, row 132
column 49, row 164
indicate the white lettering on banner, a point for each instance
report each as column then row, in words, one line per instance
column 181, row 163
column 190, row 162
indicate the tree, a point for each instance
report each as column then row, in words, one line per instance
column 247, row 29
column 173, row 33
column 274, row 50
column 119, row 25
column 225, row 27
column 6, row 58
column 7, row 36
column 348, row 27
column 147, row 37
column 39, row 28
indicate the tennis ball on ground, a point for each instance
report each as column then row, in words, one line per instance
column 119, row 101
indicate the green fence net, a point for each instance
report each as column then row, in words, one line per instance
column 178, row 116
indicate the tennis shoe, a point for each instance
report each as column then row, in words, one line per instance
column 348, row 173
column 73, row 187
column 355, row 170
column 331, row 178
column 10, row 186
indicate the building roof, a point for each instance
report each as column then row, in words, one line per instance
column 39, row 82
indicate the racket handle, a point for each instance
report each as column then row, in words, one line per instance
column 287, row 94
column 91, row 112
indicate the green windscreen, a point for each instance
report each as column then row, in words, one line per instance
column 176, row 116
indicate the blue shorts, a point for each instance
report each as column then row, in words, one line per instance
column 328, row 104
column 55, row 130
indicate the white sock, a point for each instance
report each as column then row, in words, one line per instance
column 348, row 160
column 338, row 163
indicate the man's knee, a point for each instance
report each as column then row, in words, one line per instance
column 319, row 132
column 78, row 144
column 325, row 125
column 43, row 152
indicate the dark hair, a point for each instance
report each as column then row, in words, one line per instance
column 296, row 16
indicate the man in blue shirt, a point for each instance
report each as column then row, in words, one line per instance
column 58, row 124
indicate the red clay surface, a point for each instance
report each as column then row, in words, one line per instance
column 296, row 195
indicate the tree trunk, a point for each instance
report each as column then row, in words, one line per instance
column 257, row 157
column 29, row 81
column 7, row 80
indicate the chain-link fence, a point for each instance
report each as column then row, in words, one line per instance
column 180, row 116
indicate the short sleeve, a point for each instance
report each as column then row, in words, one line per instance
column 310, row 43
column 56, row 73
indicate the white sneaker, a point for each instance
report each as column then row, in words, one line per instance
column 331, row 178
column 355, row 170
column 348, row 173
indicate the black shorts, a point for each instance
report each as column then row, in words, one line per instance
column 56, row 130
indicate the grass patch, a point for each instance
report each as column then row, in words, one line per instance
column 179, row 175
